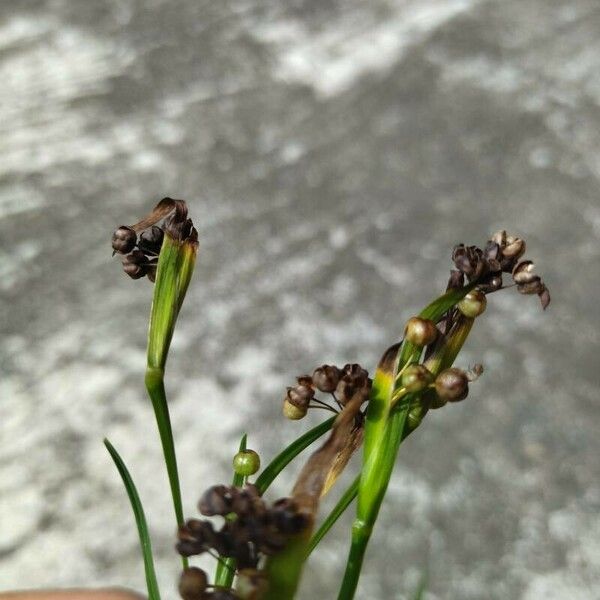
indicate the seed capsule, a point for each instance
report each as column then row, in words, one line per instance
column 293, row 412
column 416, row 378
column 134, row 264
column 151, row 240
column 452, row 385
column 192, row 584
column 473, row 304
column 246, row 463
column 420, row 332
column 326, row 378
column 300, row 395
column 524, row 272
column 415, row 416
column 515, row 247
column 124, row 239
column 216, row 500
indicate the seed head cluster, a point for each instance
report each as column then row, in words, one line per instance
column 502, row 254
column 139, row 253
column 341, row 384
column 251, row 530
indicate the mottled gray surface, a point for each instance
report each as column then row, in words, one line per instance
column 332, row 152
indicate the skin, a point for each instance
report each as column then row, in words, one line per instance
column 75, row 594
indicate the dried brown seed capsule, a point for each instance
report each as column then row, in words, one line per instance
column 305, row 381
column 420, row 332
column 293, row 412
column 151, row 240
column 192, row 584
column 531, row 287
column 416, row 378
column 326, row 378
column 354, row 378
column 470, row 261
column 286, row 517
column 216, row 500
column 251, row 584
column 514, row 248
column 473, row 304
column 246, row 462
column 135, row 264
column 195, row 537
column 124, row 239
column 524, row 272
column 452, row 385
column 300, row 395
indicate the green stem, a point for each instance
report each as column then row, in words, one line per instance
column 156, row 390
column 372, row 488
column 384, row 432
column 226, row 566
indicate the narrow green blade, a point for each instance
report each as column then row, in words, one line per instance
column 140, row 520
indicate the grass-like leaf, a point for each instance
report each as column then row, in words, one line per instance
column 140, row 520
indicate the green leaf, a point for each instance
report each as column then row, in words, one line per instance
column 140, row 520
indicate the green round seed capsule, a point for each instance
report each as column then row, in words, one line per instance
column 416, row 378
column 473, row 304
column 246, row 462
column 420, row 332
column 293, row 412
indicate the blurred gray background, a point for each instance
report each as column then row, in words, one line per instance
column 332, row 153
